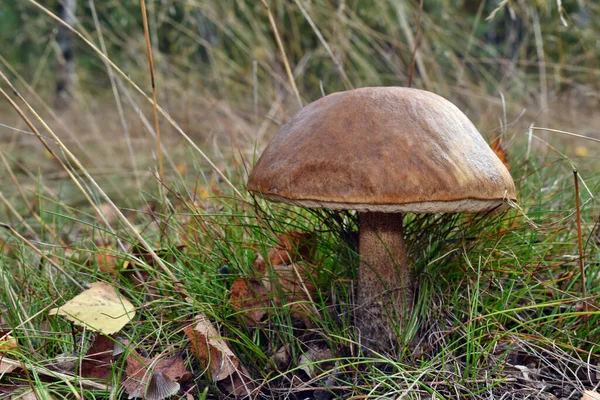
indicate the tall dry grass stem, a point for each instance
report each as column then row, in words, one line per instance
column 580, row 239
column 284, row 58
column 141, row 92
column 161, row 173
column 176, row 284
column 416, row 47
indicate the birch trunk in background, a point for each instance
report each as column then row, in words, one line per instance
column 66, row 63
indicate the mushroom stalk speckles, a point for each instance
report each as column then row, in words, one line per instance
column 385, row 290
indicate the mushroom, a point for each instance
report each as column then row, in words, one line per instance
column 383, row 151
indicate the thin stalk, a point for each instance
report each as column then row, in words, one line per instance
column 416, row 48
column 153, row 82
column 286, row 64
column 579, row 237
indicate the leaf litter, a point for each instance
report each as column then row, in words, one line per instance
column 154, row 379
column 100, row 308
column 286, row 282
column 218, row 360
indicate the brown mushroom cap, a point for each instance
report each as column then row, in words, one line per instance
column 388, row 149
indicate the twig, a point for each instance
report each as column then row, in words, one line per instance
column 417, row 40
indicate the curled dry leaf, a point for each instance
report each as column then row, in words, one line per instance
column 217, row 358
column 100, row 308
column 211, row 349
column 154, row 379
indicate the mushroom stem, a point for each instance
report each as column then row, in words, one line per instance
column 385, row 281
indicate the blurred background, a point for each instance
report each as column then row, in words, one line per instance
column 220, row 75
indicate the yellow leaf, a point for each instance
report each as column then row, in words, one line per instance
column 100, row 308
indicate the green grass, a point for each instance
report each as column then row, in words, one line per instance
column 493, row 293
column 499, row 303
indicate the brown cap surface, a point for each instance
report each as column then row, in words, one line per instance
column 388, row 149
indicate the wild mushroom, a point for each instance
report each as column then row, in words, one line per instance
column 382, row 151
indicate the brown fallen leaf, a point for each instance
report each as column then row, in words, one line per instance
column 97, row 362
column 217, row 358
column 293, row 246
column 154, row 379
column 100, row 308
column 291, row 285
column 250, row 298
column 288, row 280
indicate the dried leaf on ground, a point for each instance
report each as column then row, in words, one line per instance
column 97, row 362
column 250, row 298
column 211, row 349
column 289, row 280
column 100, row 308
column 217, row 358
column 292, row 285
column 293, row 246
column 154, row 379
